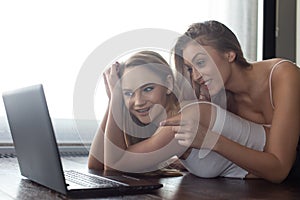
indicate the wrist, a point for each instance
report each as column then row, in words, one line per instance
column 218, row 145
column 116, row 97
column 212, row 141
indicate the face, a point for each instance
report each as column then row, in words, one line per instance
column 145, row 93
column 207, row 66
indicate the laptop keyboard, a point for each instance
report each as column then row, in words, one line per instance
column 90, row 180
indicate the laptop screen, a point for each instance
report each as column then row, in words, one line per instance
column 33, row 137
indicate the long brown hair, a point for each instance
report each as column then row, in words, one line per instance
column 209, row 33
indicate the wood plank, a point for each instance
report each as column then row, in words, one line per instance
column 14, row 186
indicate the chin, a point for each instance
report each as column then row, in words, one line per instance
column 144, row 121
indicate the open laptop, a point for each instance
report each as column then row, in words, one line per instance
column 38, row 155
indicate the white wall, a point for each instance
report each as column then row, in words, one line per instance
column 48, row 41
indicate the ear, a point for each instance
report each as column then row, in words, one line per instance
column 231, row 55
column 169, row 84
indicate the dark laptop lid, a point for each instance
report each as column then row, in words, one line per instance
column 29, row 118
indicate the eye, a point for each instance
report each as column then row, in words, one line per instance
column 148, row 89
column 128, row 93
column 189, row 69
column 200, row 63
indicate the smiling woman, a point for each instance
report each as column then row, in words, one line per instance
column 145, row 97
column 141, row 94
column 265, row 92
column 137, row 94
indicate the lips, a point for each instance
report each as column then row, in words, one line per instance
column 143, row 111
column 204, row 82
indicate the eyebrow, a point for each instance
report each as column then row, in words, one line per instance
column 145, row 85
column 193, row 59
column 186, row 65
column 200, row 53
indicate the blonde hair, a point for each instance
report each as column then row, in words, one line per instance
column 155, row 62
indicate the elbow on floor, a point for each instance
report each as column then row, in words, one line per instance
column 94, row 164
column 278, row 178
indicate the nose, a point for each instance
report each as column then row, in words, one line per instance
column 196, row 75
column 138, row 99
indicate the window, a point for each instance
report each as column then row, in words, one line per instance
column 48, row 42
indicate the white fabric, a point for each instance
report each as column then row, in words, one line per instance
column 235, row 128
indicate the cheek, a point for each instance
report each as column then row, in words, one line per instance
column 163, row 99
column 215, row 71
column 224, row 74
column 127, row 102
column 211, row 66
column 158, row 97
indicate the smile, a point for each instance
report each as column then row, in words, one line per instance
column 143, row 111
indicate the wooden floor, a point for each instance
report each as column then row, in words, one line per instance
column 14, row 186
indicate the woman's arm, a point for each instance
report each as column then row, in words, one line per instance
column 277, row 159
column 141, row 157
column 96, row 154
column 275, row 163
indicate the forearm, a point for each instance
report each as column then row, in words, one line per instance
column 146, row 155
column 261, row 164
column 96, row 154
column 243, row 142
column 94, row 163
column 147, row 161
column 114, row 141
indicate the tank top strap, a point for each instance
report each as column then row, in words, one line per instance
column 270, row 79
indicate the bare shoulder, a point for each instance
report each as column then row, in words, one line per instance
column 286, row 83
column 281, row 69
column 286, row 71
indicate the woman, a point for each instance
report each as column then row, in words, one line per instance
column 141, row 95
column 265, row 92
column 143, row 89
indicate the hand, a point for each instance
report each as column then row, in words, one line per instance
column 188, row 130
column 189, row 133
column 185, row 126
column 111, row 78
column 202, row 138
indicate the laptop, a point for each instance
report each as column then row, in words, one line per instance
column 38, row 155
